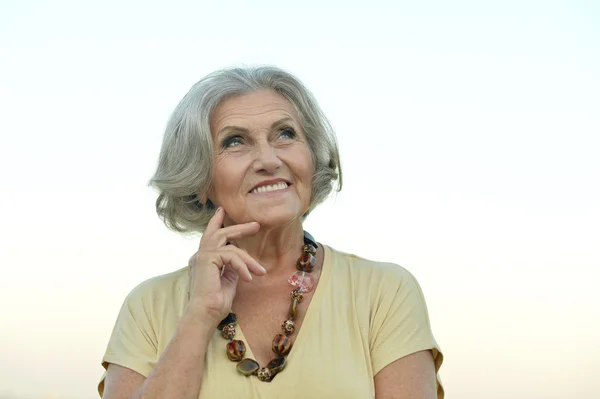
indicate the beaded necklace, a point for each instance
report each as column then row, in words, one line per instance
column 303, row 282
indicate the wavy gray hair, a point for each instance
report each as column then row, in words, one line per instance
column 185, row 161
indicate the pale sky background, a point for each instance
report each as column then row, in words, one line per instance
column 470, row 140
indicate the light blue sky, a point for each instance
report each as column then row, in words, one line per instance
column 469, row 135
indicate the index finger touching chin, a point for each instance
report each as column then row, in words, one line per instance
column 214, row 223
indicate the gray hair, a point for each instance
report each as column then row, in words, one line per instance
column 185, row 161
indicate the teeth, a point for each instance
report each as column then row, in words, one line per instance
column 273, row 187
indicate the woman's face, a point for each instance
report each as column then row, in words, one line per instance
column 262, row 166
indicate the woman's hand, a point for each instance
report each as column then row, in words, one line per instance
column 216, row 267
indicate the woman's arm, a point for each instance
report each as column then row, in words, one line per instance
column 411, row 376
column 178, row 373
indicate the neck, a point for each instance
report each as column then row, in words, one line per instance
column 275, row 248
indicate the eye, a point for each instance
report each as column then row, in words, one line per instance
column 288, row 132
column 232, row 141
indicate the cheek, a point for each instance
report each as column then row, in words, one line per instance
column 226, row 179
column 306, row 171
column 309, row 169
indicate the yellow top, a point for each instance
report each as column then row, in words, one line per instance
column 363, row 316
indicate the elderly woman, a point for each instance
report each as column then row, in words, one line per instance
column 263, row 310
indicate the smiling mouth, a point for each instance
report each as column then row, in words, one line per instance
column 271, row 187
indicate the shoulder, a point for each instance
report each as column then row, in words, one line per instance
column 384, row 283
column 158, row 288
column 386, row 273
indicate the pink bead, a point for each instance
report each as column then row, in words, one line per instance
column 302, row 280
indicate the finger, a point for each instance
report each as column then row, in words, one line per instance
column 236, row 263
column 214, row 224
column 251, row 264
column 235, row 232
column 229, row 282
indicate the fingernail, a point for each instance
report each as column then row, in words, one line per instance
column 263, row 268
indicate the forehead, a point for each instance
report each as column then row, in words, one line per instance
column 260, row 107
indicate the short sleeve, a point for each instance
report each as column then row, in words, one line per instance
column 400, row 323
column 133, row 342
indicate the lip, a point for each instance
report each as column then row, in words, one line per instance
column 270, row 182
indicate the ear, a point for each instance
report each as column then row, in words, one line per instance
column 202, row 198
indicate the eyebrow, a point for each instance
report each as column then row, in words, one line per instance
column 278, row 122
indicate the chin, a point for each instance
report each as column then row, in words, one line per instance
column 274, row 222
column 275, row 218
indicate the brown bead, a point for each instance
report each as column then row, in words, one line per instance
column 236, row 350
column 293, row 308
column 264, row 374
column 276, row 365
column 288, row 327
column 306, row 263
column 297, row 294
column 248, row 366
column 282, row 344
column 228, row 331
column 309, row 249
column 230, row 319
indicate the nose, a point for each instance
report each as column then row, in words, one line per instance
column 266, row 158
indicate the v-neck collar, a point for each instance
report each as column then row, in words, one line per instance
column 311, row 311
